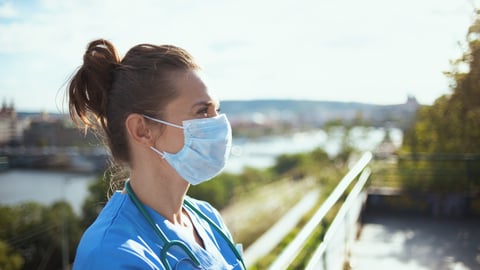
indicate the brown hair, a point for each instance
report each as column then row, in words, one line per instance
column 106, row 89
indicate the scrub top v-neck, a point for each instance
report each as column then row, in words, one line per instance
column 121, row 238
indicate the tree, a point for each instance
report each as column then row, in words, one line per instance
column 10, row 259
column 96, row 200
column 448, row 132
column 452, row 123
column 37, row 236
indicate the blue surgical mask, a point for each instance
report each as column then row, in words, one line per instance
column 206, row 150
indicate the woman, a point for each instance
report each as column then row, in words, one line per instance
column 161, row 123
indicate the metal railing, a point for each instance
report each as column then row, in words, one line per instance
column 271, row 238
column 331, row 252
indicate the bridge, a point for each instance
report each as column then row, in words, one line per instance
column 369, row 221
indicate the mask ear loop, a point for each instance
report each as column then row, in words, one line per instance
column 162, row 122
column 162, row 154
column 158, row 152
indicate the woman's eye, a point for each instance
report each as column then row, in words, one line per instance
column 203, row 111
column 208, row 111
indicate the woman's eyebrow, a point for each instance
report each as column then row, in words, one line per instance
column 207, row 103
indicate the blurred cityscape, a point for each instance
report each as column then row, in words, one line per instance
column 50, row 140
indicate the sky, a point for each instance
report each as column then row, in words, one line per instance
column 372, row 51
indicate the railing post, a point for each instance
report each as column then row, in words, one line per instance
column 321, row 251
column 292, row 250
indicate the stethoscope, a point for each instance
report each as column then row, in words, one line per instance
column 170, row 243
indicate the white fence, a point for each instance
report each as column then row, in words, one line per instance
column 332, row 251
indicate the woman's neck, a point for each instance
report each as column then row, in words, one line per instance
column 163, row 193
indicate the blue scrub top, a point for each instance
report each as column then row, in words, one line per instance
column 121, row 238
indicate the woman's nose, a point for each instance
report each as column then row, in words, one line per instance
column 213, row 112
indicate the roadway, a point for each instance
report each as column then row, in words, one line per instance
column 414, row 242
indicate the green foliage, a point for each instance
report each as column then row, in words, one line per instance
column 451, row 124
column 96, row 200
column 287, row 163
column 218, row 191
column 300, row 165
column 449, row 128
column 36, row 235
column 440, row 173
column 332, row 124
column 221, row 190
column 10, row 259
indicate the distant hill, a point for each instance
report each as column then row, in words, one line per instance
column 320, row 112
column 308, row 112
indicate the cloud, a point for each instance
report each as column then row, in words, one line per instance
column 338, row 50
column 7, row 11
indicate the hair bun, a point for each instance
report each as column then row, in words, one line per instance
column 89, row 88
column 101, row 49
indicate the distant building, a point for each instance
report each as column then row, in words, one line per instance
column 9, row 130
column 412, row 103
column 46, row 130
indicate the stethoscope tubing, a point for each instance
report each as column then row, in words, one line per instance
column 170, row 243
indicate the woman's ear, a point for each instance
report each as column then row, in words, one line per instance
column 138, row 130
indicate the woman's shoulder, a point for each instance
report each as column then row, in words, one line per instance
column 106, row 242
column 112, row 214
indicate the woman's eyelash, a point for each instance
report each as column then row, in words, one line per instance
column 203, row 110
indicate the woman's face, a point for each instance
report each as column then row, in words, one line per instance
column 193, row 102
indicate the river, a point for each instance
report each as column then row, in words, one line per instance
column 46, row 187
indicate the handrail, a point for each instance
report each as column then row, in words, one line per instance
column 350, row 201
column 294, row 248
column 271, row 238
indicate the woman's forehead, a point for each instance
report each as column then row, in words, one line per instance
column 192, row 91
